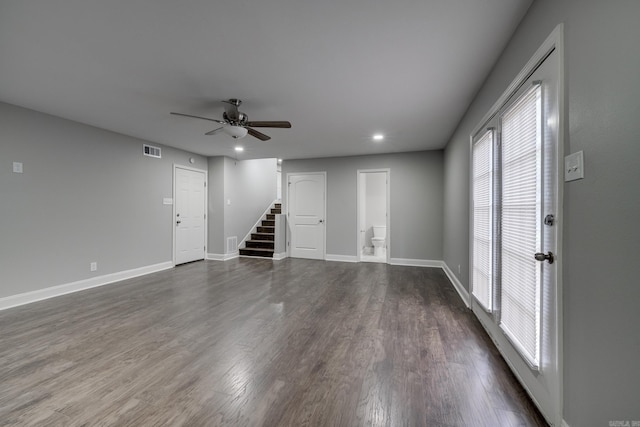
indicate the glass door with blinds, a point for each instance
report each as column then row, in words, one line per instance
column 514, row 213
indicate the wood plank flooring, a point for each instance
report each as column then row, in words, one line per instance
column 252, row 342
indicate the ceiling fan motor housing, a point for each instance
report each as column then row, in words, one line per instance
column 237, row 118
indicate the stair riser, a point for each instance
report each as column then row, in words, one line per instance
column 266, row 229
column 271, row 217
column 276, row 211
column 249, row 252
column 268, row 237
column 267, row 223
column 260, row 244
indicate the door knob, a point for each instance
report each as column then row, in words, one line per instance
column 544, row 257
column 321, row 221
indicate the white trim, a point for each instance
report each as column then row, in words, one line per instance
column 387, row 171
column 409, row 262
column 464, row 294
column 565, row 424
column 80, row 285
column 242, row 242
column 341, row 258
column 324, row 202
column 222, row 257
column 206, row 207
column 280, row 256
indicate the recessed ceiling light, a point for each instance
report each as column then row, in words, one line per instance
column 279, row 160
column 378, row 137
column 238, row 148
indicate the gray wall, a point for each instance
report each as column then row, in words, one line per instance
column 416, row 201
column 86, row 195
column 250, row 185
column 215, row 218
column 601, row 235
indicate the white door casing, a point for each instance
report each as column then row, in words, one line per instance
column 544, row 382
column 189, row 217
column 306, row 214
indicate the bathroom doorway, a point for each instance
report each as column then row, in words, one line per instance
column 373, row 215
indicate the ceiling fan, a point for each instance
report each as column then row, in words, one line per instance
column 237, row 124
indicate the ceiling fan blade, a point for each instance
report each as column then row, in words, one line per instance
column 198, row 117
column 261, row 136
column 213, row 132
column 272, row 124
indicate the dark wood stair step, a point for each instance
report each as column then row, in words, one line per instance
column 266, row 244
column 263, row 236
column 276, row 211
column 268, row 223
column 261, row 252
column 271, row 217
column 262, row 229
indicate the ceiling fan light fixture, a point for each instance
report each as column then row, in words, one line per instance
column 239, row 148
column 236, row 132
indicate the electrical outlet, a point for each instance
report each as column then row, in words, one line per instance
column 93, row 266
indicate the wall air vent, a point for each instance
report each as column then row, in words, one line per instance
column 151, row 151
column 232, row 244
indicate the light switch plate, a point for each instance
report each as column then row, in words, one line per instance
column 17, row 167
column 574, row 166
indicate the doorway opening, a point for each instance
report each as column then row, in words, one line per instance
column 373, row 215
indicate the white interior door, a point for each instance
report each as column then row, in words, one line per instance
column 306, row 200
column 190, row 210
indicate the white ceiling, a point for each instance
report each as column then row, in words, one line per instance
column 338, row 70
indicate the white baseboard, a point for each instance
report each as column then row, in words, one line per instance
column 80, row 285
column 415, row 262
column 464, row 294
column 222, row 257
column 281, row 255
column 341, row 258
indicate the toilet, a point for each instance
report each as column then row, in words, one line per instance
column 378, row 240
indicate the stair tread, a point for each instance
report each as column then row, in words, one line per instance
column 257, row 249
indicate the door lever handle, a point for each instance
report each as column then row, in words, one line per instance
column 545, row 257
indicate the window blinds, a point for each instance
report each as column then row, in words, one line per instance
column 482, row 220
column 521, row 197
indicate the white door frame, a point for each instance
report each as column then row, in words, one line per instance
column 206, row 205
column 555, row 41
column 324, row 207
column 358, row 209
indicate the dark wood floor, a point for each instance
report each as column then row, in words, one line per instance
column 253, row 342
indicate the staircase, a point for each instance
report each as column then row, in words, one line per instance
column 262, row 239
